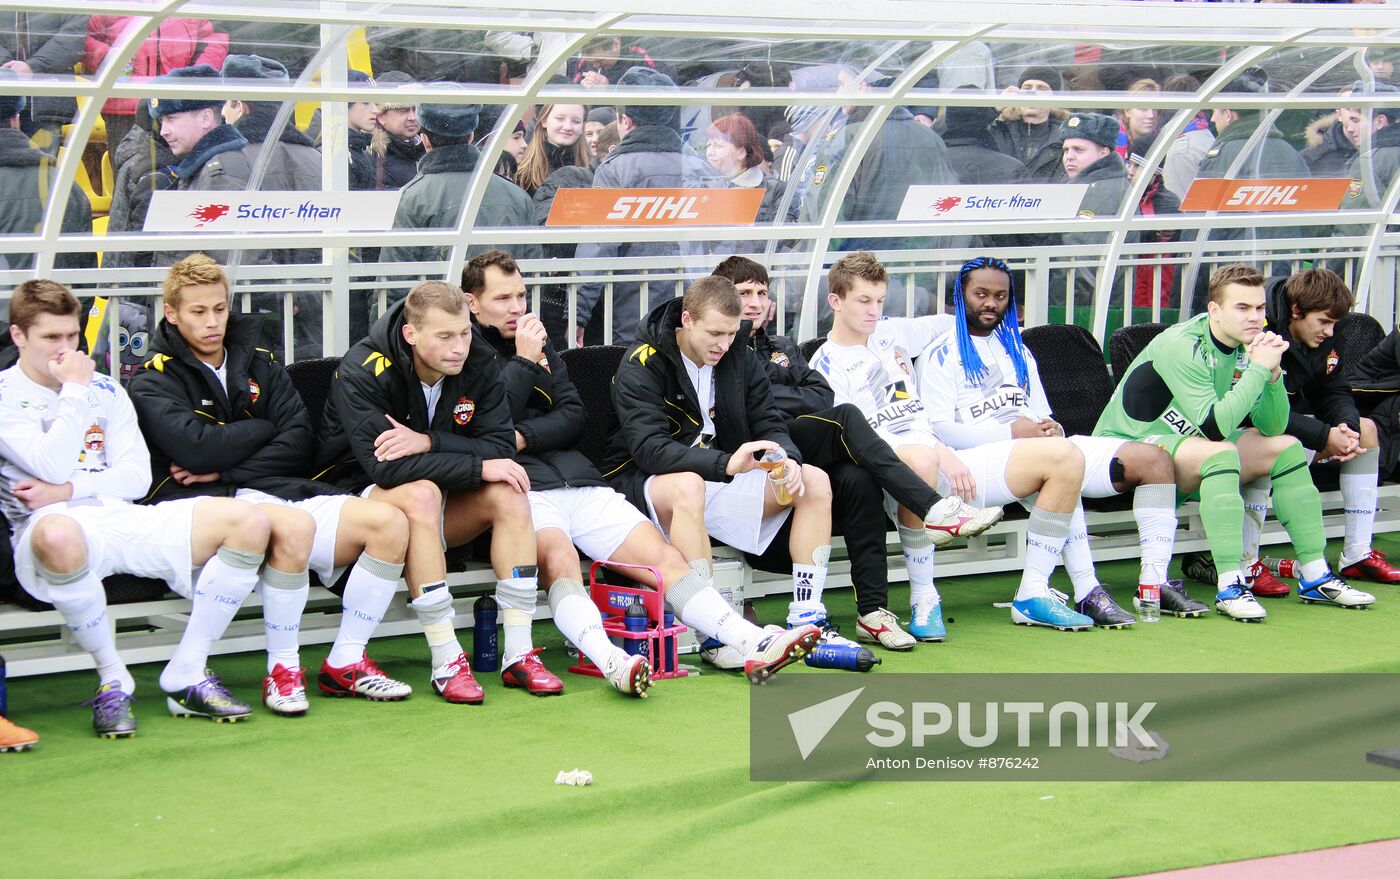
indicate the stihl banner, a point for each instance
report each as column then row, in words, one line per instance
column 655, row 207
column 1266, row 196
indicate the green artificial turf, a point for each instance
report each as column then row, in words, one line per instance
column 425, row 788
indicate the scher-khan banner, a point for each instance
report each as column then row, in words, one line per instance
column 1038, row 201
column 214, row 211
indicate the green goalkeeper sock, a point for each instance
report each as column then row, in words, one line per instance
column 1297, row 504
column 1222, row 509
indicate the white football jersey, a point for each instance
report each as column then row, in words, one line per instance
column 84, row 435
column 878, row 377
column 996, row 399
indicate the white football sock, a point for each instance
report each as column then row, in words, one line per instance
column 219, row 591
column 1046, row 533
column 1256, row 508
column 368, row 591
column 1359, row 494
column 80, row 599
column 577, row 617
column 699, row 606
column 435, row 615
column 284, row 598
column 1154, row 509
column 1076, row 557
column 918, row 563
column 517, row 597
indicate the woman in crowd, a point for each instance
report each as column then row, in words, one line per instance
column 736, row 151
column 558, row 143
column 1135, row 122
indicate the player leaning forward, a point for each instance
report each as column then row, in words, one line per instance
column 225, row 420
column 417, row 417
column 695, row 408
column 570, row 503
column 981, row 386
column 1188, row 392
column 74, row 459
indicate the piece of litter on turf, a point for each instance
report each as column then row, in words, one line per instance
column 1047, row 798
column 578, row 777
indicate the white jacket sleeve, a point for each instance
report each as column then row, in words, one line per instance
column 49, row 455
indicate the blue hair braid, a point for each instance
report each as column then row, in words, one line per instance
column 1007, row 331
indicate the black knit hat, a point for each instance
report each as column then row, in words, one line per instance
column 1138, row 149
column 602, row 115
column 1042, row 73
column 1101, row 129
column 650, row 114
column 162, row 107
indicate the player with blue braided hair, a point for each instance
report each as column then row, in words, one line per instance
column 982, row 388
column 1008, row 331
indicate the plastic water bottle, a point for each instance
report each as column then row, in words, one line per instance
column 486, row 650
column 843, row 656
column 671, row 663
column 1281, row 567
column 1149, row 602
column 636, row 621
column 775, row 462
column 4, row 696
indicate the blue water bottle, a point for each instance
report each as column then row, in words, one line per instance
column 668, row 619
column 486, row 651
column 848, row 657
column 636, row 621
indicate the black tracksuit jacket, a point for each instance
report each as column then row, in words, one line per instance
column 1319, row 392
column 659, row 417
column 376, row 379
column 257, row 434
column 548, row 411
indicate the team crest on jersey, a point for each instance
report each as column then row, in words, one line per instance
column 544, row 362
column 94, row 438
column 1333, row 359
column 896, row 391
column 902, row 362
column 254, row 391
column 780, row 358
column 464, row 410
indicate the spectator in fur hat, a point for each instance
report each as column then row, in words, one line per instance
column 395, row 144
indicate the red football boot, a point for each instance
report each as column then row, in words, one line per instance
column 1374, row 568
column 1264, row 584
column 530, row 673
column 454, row 682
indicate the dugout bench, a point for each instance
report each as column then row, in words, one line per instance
column 1078, row 383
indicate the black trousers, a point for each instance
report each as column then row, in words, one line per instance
column 862, row 467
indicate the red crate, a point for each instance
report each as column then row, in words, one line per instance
column 613, row 601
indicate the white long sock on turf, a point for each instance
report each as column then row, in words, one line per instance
column 1154, row 510
column 368, row 591
column 577, row 617
column 918, row 563
column 517, row 597
column 699, row 606
column 219, row 591
column 435, row 615
column 1046, row 533
column 1076, row 557
column 82, row 602
column 284, row 598
column 1359, row 495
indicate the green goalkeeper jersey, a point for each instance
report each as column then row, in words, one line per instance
column 1185, row 384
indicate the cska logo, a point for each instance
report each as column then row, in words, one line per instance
column 781, row 359
column 544, row 363
column 902, row 362
column 380, row 362
column 464, row 410
column 1333, row 360
column 254, row 391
